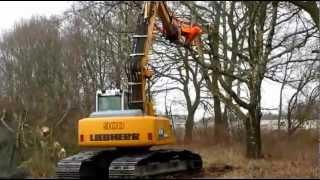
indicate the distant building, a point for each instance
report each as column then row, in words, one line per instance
column 268, row 122
column 180, row 121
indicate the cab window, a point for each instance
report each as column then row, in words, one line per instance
column 106, row 103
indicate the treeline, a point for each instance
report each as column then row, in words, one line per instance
column 51, row 67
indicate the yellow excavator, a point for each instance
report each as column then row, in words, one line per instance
column 116, row 139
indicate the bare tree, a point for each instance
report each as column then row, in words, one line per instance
column 261, row 49
column 311, row 8
column 177, row 67
column 295, row 117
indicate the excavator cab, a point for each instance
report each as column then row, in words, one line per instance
column 111, row 100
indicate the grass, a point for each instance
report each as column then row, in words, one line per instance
column 39, row 165
column 284, row 157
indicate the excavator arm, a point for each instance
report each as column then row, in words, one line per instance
column 175, row 30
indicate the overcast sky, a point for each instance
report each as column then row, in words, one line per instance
column 13, row 11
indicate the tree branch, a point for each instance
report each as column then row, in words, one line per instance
column 4, row 123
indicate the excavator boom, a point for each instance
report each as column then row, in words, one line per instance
column 137, row 69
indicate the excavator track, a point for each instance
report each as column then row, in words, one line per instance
column 117, row 164
column 69, row 168
column 88, row 164
column 154, row 163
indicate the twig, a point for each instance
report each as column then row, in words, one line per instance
column 4, row 123
column 64, row 115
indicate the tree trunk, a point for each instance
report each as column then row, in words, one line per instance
column 292, row 103
column 280, row 108
column 219, row 127
column 253, row 134
column 188, row 129
column 218, row 121
column 289, row 130
column 252, row 122
column 281, row 93
column 226, row 119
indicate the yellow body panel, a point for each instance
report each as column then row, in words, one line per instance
column 126, row 131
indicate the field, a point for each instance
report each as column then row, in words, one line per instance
column 284, row 157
